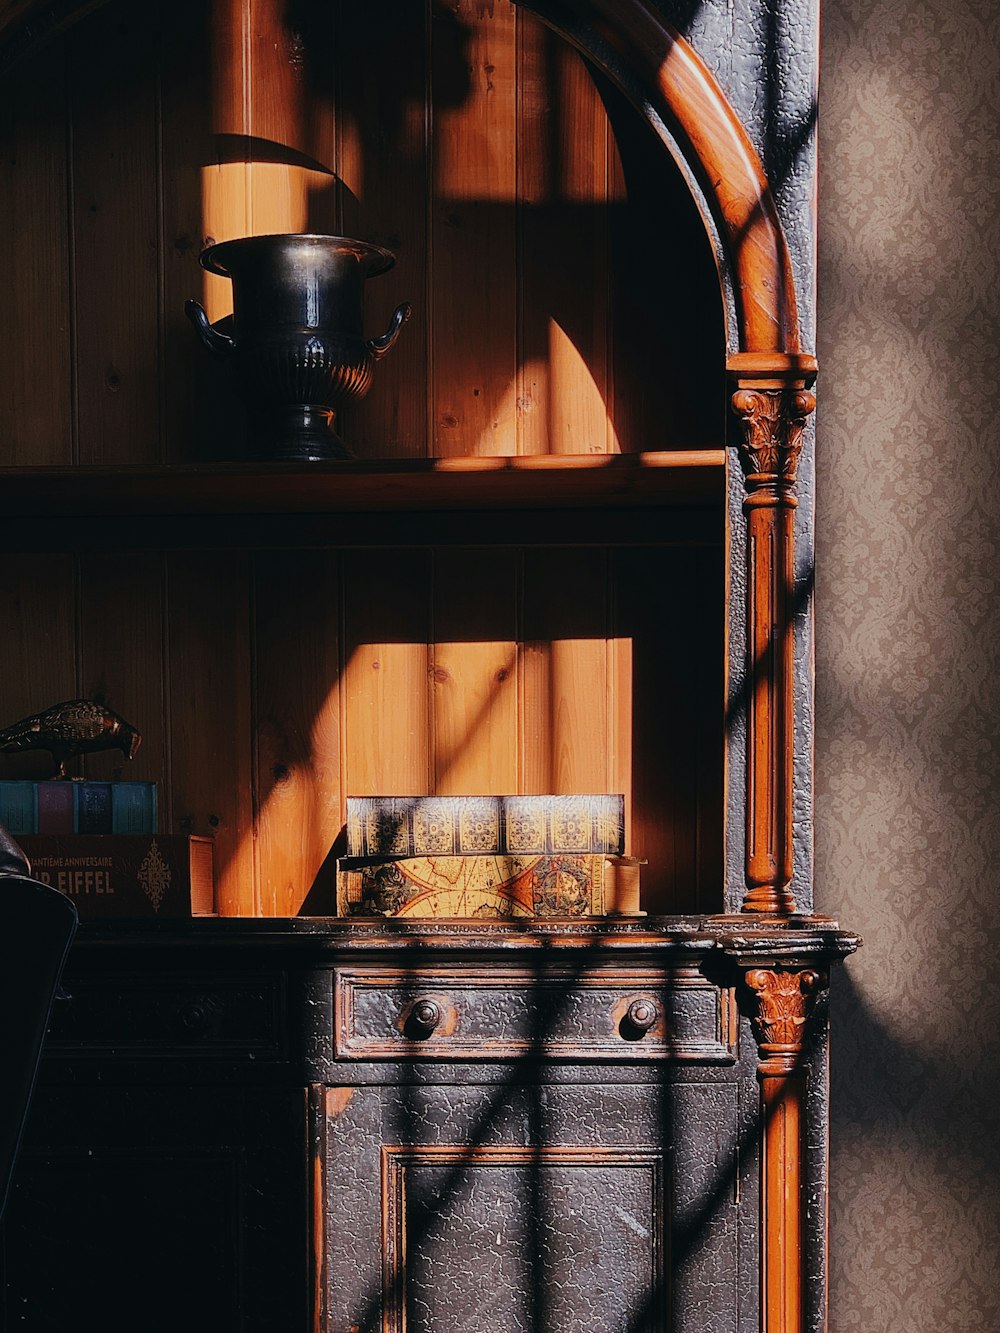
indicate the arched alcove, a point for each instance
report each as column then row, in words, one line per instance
column 568, row 301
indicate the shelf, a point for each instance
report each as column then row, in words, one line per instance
column 550, row 482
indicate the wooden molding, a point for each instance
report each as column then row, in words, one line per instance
column 781, row 1002
column 772, row 370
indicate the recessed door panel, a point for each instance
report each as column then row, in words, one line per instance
column 522, row 1238
column 524, row 1209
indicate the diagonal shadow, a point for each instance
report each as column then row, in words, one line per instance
column 553, row 986
column 746, row 686
column 689, row 1230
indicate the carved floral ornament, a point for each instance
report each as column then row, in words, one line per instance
column 783, row 1001
column 773, row 421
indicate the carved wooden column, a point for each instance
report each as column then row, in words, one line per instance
column 780, row 1003
column 771, row 403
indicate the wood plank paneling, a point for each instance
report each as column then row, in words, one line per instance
column 473, row 231
column 201, row 408
column 663, row 608
column 208, row 634
column 645, row 618
column 468, row 139
column 668, row 324
column 278, row 189
column 705, row 612
column 291, row 122
column 481, row 154
column 297, row 722
column 122, row 661
column 621, row 710
column 305, row 40
column 565, row 695
column 384, row 164
column 226, row 203
column 474, row 666
column 38, row 630
column 632, row 412
column 562, row 202
column 36, row 402
column 386, row 633
column 113, row 96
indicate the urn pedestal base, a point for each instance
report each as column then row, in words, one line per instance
column 304, row 433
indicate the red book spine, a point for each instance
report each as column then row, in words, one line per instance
column 55, row 807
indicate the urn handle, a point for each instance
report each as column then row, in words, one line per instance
column 379, row 346
column 214, row 340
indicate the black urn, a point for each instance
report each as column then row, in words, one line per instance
column 297, row 334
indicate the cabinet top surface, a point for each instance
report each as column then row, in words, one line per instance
column 675, row 939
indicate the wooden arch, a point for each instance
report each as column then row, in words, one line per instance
column 668, row 82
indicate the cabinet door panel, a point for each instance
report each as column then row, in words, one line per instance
column 514, row 1209
column 506, row 1237
column 159, row 1210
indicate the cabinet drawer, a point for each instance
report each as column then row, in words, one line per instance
column 505, row 1014
column 164, row 1015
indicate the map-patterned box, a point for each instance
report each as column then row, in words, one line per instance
column 491, row 885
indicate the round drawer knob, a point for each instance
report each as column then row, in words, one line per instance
column 641, row 1015
column 424, row 1017
column 193, row 1017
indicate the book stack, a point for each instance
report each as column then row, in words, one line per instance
column 487, row 857
column 57, row 808
column 97, row 842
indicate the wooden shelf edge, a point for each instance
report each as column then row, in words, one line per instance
column 553, row 481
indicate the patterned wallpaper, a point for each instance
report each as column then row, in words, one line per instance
column 908, row 678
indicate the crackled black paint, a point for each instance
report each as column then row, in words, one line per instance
column 210, row 1121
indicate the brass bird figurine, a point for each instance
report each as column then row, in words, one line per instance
column 78, row 726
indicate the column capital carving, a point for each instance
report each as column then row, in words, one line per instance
column 781, row 1004
column 772, row 421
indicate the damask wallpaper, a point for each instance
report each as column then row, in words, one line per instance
column 908, row 678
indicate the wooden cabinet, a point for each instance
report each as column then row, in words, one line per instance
column 251, row 1130
column 159, row 1205
column 573, row 554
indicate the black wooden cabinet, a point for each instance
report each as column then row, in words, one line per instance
column 310, row 1125
column 153, row 1208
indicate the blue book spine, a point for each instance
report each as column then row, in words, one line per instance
column 133, row 807
column 19, row 807
column 92, row 813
